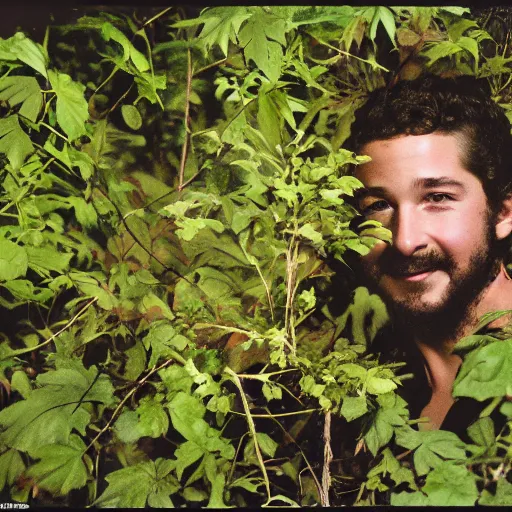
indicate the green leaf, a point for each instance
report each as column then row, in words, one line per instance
column 108, row 32
column 13, row 260
column 431, row 447
column 11, row 467
column 72, row 110
column 307, row 231
column 441, row 50
column 85, row 212
column 193, row 494
column 353, row 407
column 15, row 144
column 24, row 90
column 24, row 49
column 61, row 467
column 384, row 15
column 187, row 418
column 149, row 420
column 441, row 490
column 131, row 116
column 221, row 25
column 267, row 444
column 132, row 486
column 486, row 372
column 482, row 432
column 47, row 258
column 392, row 413
column 502, row 496
column 163, row 340
column 53, row 410
column 255, row 38
column 21, row 383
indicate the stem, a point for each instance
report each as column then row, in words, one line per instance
column 212, row 65
column 53, row 336
column 317, row 483
column 175, row 357
column 232, row 469
column 114, row 71
column 121, row 98
column 53, row 130
column 280, row 415
column 326, row 474
column 187, row 129
column 252, row 428
column 155, row 17
column 347, row 54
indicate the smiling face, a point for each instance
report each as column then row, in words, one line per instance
column 441, row 257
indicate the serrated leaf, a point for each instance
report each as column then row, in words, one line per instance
column 108, row 32
column 221, row 25
column 255, row 38
column 267, row 444
column 392, row 413
column 47, row 258
column 15, row 144
column 24, row 90
column 60, row 468
column 131, row 116
column 486, row 372
column 441, row 50
column 53, row 409
column 131, row 487
column 11, row 467
column 13, row 260
column 148, row 420
column 72, row 110
column 353, row 407
column 21, row 383
column 163, row 340
column 441, row 490
column 309, row 232
column 502, row 496
column 24, row 49
column 187, row 418
column 431, row 447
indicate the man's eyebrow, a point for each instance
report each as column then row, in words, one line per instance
column 369, row 191
column 418, row 183
column 437, row 182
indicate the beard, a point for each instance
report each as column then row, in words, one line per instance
column 446, row 318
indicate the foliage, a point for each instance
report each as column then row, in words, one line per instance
column 175, row 196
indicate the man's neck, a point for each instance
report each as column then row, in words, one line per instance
column 442, row 363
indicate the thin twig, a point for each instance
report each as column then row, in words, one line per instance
column 280, row 415
column 121, row 98
column 212, row 65
column 175, row 357
column 252, row 427
column 187, row 113
column 155, row 17
column 53, row 336
column 326, row 473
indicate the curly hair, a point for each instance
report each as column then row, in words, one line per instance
column 462, row 106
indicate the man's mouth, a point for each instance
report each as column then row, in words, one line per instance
column 414, row 276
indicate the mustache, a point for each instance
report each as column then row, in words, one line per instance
column 395, row 263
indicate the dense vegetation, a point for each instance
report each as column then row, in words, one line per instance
column 179, row 323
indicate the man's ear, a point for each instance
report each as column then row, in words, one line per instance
column 504, row 222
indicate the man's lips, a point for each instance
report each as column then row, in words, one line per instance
column 416, row 276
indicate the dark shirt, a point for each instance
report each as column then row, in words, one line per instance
column 417, row 391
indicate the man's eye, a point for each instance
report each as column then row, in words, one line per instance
column 376, row 206
column 438, row 197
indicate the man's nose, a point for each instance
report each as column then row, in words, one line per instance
column 408, row 231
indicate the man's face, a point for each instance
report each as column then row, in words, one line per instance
column 441, row 255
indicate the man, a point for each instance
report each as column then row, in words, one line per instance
column 440, row 179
